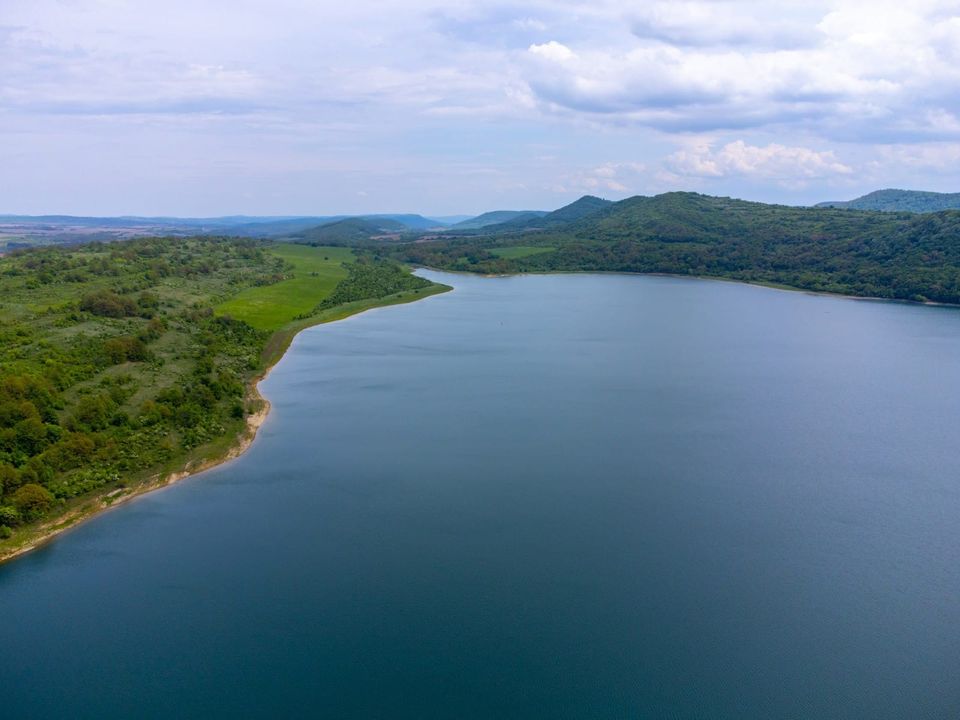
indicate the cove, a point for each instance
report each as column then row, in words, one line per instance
column 566, row 496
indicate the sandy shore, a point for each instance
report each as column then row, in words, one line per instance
column 115, row 498
column 276, row 349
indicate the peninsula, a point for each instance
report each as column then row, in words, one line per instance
column 128, row 366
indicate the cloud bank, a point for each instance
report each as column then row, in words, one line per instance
column 462, row 106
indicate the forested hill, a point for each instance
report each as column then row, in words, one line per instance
column 691, row 217
column 889, row 255
column 900, row 201
column 584, row 207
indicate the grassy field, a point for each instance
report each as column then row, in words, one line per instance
column 279, row 342
column 519, row 251
column 317, row 270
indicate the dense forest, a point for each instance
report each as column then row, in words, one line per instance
column 116, row 366
column 888, row 255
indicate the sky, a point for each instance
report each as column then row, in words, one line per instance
column 286, row 107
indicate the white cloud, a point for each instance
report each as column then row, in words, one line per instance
column 530, row 24
column 620, row 178
column 933, row 157
column 313, row 102
column 553, row 51
column 705, row 23
column 780, row 163
column 847, row 70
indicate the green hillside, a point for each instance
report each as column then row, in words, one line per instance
column 888, row 255
column 584, row 207
column 917, row 201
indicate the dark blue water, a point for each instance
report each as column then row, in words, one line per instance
column 540, row 497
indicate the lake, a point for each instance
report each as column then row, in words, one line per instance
column 567, row 496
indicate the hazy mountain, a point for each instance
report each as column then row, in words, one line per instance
column 285, row 228
column 26, row 230
column 414, row 222
column 919, row 201
column 350, row 231
column 496, row 217
column 449, row 219
column 127, row 221
column 279, row 228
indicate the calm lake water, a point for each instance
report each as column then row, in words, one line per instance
column 571, row 496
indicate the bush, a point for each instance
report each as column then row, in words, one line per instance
column 93, row 412
column 72, row 451
column 188, row 415
column 32, row 501
column 9, row 479
column 9, row 516
column 122, row 349
column 107, row 303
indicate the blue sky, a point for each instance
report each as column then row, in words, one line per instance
column 456, row 106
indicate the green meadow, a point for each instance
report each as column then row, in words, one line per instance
column 315, row 272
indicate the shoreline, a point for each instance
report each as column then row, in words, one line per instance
column 274, row 351
column 276, row 348
column 714, row 278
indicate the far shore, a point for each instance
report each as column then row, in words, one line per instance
column 207, row 458
column 715, row 278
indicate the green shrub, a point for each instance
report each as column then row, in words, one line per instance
column 9, row 516
column 9, row 479
column 32, row 501
column 107, row 303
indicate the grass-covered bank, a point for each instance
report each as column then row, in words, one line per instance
column 279, row 342
column 126, row 367
column 312, row 274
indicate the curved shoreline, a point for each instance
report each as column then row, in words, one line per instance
column 714, row 278
column 274, row 351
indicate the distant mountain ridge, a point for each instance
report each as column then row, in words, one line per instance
column 892, row 200
column 350, row 231
column 585, row 206
column 295, row 226
column 448, row 219
column 496, row 217
column 25, row 230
